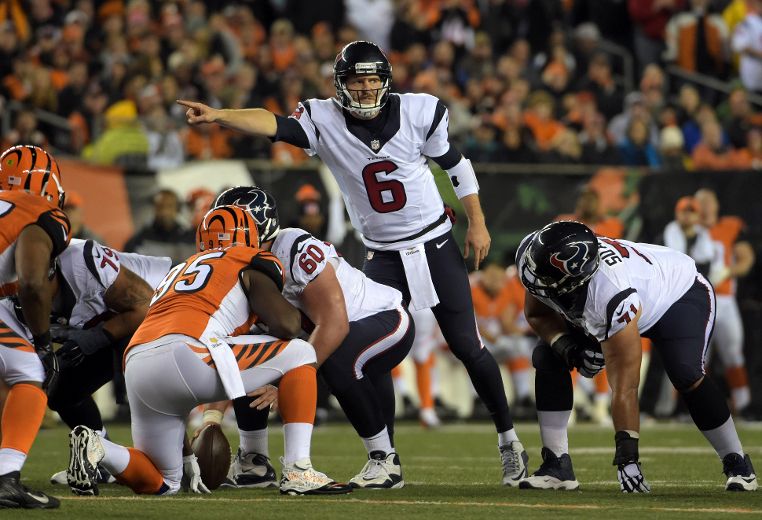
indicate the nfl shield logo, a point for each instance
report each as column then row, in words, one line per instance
column 375, row 144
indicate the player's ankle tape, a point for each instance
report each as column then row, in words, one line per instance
column 707, row 405
column 626, row 448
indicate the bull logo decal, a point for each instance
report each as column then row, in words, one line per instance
column 571, row 266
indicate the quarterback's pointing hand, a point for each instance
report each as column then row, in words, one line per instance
column 198, row 112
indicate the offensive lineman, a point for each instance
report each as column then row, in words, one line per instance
column 616, row 291
column 376, row 144
column 359, row 329
column 33, row 231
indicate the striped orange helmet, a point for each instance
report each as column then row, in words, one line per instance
column 38, row 182
column 226, row 226
column 23, row 157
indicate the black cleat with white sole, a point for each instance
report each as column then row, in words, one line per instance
column 554, row 473
column 14, row 495
column 740, row 473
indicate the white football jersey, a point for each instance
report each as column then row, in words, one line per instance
column 304, row 257
column 631, row 276
column 385, row 179
column 88, row 270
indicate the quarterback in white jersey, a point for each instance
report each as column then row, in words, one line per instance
column 377, row 144
column 359, row 329
column 591, row 299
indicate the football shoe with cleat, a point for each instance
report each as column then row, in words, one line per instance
column 300, row 478
column 740, row 473
column 554, row 473
column 382, row 471
column 251, row 470
column 514, row 459
column 14, row 495
column 85, row 452
column 104, row 477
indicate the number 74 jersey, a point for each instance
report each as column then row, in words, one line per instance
column 384, row 177
column 631, row 276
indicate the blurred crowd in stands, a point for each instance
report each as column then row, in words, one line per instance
column 550, row 81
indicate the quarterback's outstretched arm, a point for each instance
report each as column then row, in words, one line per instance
column 257, row 121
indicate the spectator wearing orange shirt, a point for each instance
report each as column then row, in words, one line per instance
column 499, row 307
column 712, row 154
column 729, row 233
column 540, row 120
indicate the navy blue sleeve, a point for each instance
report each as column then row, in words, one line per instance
column 290, row 131
column 449, row 159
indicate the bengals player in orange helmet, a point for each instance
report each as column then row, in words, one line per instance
column 190, row 350
column 33, row 231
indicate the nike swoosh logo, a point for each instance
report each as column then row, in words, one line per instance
column 439, row 246
column 40, row 498
column 748, row 480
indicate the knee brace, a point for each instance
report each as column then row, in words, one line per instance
column 553, row 384
column 543, row 358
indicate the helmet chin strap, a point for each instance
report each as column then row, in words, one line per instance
column 359, row 110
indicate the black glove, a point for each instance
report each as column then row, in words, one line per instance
column 49, row 361
column 78, row 343
column 580, row 353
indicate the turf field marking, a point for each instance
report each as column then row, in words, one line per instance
column 459, row 503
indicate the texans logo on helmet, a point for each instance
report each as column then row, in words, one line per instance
column 571, row 266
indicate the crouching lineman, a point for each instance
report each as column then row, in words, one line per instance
column 359, row 329
column 101, row 297
column 176, row 361
column 616, row 291
column 33, row 232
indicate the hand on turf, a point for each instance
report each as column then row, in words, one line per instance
column 191, row 480
column 631, row 479
column 265, row 396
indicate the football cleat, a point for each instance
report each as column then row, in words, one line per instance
column 104, row 477
column 514, row 459
column 740, row 473
column 250, row 470
column 85, row 452
column 554, row 473
column 300, row 478
column 382, row 471
column 14, row 495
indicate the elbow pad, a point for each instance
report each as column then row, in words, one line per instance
column 463, row 178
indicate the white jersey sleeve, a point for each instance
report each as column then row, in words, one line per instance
column 437, row 140
column 88, row 269
column 303, row 256
column 303, row 115
column 152, row 269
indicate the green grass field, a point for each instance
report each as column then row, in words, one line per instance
column 453, row 472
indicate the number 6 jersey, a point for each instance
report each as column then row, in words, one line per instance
column 384, row 176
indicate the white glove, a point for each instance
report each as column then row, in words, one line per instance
column 631, row 479
column 191, row 480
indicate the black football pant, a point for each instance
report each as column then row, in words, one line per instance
column 358, row 373
column 455, row 315
column 72, row 395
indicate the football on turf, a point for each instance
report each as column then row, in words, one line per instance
column 212, row 450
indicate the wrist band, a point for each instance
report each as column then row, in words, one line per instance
column 41, row 340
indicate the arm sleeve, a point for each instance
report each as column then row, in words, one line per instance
column 268, row 264
column 309, row 261
column 298, row 129
column 102, row 262
column 620, row 311
column 56, row 225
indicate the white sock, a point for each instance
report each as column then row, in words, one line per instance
column 724, row 439
column 255, row 441
column 507, row 436
column 117, row 457
column 297, row 437
column 378, row 442
column 521, row 386
column 553, row 427
column 741, row 397
column 11, row 460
